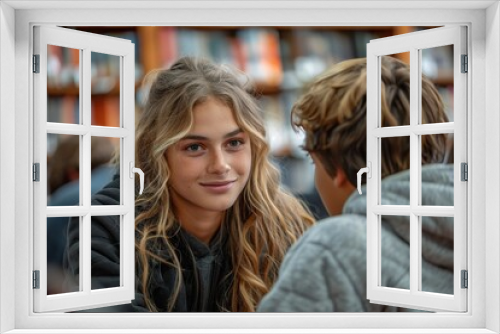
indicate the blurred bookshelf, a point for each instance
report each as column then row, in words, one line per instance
column 279, row 60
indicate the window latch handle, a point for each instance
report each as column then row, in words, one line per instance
column 141, row 176
column 368, row 171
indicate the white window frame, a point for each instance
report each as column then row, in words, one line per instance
column 16, row 21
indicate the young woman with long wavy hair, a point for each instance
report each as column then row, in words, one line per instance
column 213, row 223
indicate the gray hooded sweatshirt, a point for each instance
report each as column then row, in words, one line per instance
column 325, row 271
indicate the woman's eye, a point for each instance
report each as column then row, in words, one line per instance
column 234, row 143
column 193, row 148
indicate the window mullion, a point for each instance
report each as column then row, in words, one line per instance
column 435, row 128
column 40, row 188
column 85, row 260
column 86, row 119
column 372, row 124
column 127, row 113
column 414, row 170
column 85, row 165
column 67, row 211
column 460, row 154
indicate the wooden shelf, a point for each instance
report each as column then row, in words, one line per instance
column 261, row 88
column 75, row 91
column 63, row 91
column 443, row 81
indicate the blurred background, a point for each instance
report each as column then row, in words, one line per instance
column 280, row 61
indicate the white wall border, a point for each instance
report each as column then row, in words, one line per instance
column 492, row 163
column 252, row 17
column 248, row 4
column 7, row 166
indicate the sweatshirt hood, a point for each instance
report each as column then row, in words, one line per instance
column 437, row 190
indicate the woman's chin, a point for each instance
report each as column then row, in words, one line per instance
column 220, row 206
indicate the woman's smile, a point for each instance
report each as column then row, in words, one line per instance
column 218, row 187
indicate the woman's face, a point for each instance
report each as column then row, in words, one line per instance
column 211, row 165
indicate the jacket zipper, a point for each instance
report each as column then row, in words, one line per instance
column 213, row 285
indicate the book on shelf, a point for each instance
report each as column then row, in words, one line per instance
column 446, row 93
column 167, row 46
column 216, row 45
column 317, row 50
column 133, row 37
column 282, row 138
column 62, row 66
column 106, row 111
column 361, row 38
column 437, row 63
column 69, row 110
column 274, row 121
column 329, row 45
column 262, row 54
column 63, row 109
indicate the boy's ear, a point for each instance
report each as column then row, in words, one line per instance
column 340, row 180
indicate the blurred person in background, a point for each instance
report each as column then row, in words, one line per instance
column 325, row 271
column 64, row 186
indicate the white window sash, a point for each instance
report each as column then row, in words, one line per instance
column 414, row 297
column 86, row 43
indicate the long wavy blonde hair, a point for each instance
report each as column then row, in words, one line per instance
column 263, row 222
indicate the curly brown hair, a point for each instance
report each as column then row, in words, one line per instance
column 333, row 115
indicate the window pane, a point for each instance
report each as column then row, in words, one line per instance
column 397, row 95
column 395, row 162
column 437, row 177
column 63, row 84
column 105, row 248
column 63, row 170
column 437, row 254
column 105, row 89
column 104, row 167
column 395, row 252
column 437, row 67
column 57, row 236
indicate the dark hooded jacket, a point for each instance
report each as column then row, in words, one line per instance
column 325, row 271
column 206, row 269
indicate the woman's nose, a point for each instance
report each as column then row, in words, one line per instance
column 218, row 163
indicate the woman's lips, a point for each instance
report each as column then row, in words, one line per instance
column 218, row 187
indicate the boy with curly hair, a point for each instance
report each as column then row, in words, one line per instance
column 325, row 271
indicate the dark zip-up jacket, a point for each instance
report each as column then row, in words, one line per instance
column 201, row 264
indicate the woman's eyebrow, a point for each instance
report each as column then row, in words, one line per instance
column 198, row 137
column 233, row 133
